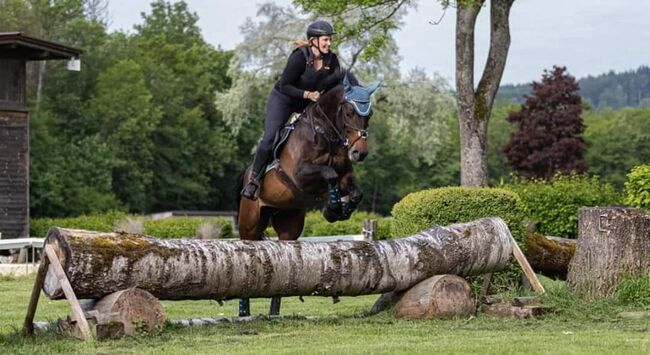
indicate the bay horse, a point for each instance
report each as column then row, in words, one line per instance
column 313, row 166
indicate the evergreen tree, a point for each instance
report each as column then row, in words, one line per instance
column 549, row 124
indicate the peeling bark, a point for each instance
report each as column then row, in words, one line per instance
column 98, row 264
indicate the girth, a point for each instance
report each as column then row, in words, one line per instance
column 300, row 196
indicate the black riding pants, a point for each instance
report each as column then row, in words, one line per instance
column 278, row 109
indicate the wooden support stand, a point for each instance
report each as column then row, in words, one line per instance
column 81, row 328
column 528, row 271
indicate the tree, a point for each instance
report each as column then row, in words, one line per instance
column 616, row 142
column 474, row 105
column 549, row 124
column 183, row 73
column 123, row 110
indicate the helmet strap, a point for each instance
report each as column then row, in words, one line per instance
column 320, row 53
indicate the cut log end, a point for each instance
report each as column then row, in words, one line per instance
column 441, row 296
column 138, row 310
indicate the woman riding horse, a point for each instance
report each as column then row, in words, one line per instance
column 308, row 68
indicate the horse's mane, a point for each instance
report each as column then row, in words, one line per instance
column 332, row 88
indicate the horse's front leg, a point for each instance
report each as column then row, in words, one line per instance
column 351, row 195
column 313, row 176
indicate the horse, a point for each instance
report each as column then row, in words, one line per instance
column 313, row 166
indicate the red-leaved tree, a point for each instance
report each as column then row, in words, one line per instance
column 547, row 140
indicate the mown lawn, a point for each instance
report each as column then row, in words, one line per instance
column 572, row 328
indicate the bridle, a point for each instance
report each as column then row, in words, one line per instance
column 342, row 139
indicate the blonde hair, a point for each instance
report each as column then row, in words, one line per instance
column 299, row 43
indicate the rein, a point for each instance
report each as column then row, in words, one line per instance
column 361, row 133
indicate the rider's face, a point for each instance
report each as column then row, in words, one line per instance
column 324, row 43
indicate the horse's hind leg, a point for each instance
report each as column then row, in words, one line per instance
column 288, row 224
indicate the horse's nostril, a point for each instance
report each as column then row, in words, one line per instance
column 363, row 155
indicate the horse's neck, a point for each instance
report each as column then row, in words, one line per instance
column 309, row 144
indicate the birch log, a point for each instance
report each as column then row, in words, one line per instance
column 98, row 264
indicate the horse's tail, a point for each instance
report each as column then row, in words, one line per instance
column 239, row 185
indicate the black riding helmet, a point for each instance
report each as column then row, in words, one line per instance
column 320, row 28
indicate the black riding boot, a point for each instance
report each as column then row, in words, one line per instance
column 250, row 190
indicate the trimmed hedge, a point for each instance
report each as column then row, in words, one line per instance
column 174, row 227
column 449, row 205
column 185, row 227
column 553, row 204
column 38, row 227
column 637, row 187
column 317, row 225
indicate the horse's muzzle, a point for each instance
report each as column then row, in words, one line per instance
column 357, row 155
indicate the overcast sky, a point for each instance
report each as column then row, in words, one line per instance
column 587, row 36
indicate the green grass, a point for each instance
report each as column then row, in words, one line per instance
column 572, row 327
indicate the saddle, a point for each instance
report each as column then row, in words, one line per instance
column 281, row 138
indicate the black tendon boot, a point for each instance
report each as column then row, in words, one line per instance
column 250, row 190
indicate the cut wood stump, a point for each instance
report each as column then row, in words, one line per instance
column 613, row 242
column 137, row 310
column 441, row 296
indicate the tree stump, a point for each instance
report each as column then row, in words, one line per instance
column 613, row 243
column 139, row 311
column 441, row 296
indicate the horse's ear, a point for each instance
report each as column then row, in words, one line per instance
column 373, row 87
column 346, row 82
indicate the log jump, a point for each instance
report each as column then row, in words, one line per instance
column 98, row 264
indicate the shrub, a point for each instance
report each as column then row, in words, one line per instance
column 38, row 227
column 637, row 187
column 317, row 225
column 449, row 205
column 185, row 227
column 553, row 204
column 175, row 227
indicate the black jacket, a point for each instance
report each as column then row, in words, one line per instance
column 299, row 75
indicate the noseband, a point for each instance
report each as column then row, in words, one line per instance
column 344, row 141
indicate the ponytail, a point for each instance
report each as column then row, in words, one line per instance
column 299, row 43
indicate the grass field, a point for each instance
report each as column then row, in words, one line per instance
column 572, row 328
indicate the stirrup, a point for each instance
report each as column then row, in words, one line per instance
column 250, row 190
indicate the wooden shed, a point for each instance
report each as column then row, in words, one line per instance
column 16, row 49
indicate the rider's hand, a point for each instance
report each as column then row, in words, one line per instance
column 312, row 95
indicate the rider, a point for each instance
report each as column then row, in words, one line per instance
column 308, row 67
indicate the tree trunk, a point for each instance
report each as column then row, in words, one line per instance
column 101, row 263
column 613, row 243
column 474, row 106
column 441, row 296
column 550, row 255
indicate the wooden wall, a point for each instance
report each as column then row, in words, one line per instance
column 14, row 174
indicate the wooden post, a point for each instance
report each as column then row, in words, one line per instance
column 77, row 312
column 369, row 229
column 528, row 271
column 28, row 326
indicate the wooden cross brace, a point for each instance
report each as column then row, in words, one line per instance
column 82, row 329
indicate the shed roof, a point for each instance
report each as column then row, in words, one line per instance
column 21, row 46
